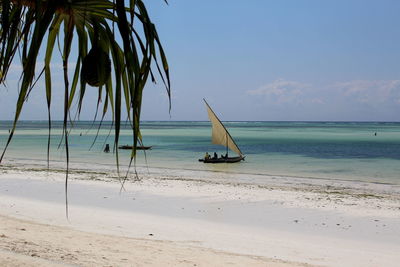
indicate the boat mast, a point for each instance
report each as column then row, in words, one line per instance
column 226, row 137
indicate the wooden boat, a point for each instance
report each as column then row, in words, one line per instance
column 221, row 136
column 138, row 147
column 222, row 160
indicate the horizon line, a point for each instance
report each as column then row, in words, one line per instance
column 350, row 121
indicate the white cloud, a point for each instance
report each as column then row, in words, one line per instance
column 348, row 100
column 371, row 92
column 279, row 87
column 317, row 101
column 281, row 91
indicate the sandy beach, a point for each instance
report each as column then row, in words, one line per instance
column 188, row 218
column 199, row 133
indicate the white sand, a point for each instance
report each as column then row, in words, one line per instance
column 170, row 218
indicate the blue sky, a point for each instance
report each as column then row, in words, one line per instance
column 267, row 60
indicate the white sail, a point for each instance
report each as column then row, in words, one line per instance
column 220, row 135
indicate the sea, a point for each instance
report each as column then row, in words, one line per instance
column 360, row 151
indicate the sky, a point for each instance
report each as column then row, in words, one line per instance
column 263, row 60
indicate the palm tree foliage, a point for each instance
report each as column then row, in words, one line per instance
column 100, row 29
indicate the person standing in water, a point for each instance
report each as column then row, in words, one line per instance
column 107, row 148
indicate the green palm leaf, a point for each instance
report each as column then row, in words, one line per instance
column 122, row 32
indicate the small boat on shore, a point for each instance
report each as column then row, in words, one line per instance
column 138, row 147
column 221, row 136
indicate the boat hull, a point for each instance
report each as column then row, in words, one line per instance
column 222, row 160
column 138, row 147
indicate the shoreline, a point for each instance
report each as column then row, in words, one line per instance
column 328, row 223
column 102, row 172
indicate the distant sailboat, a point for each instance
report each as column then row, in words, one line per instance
column 221, row 136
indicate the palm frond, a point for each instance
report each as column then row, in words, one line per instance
column 131, row 50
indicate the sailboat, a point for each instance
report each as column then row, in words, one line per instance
column 221, row 136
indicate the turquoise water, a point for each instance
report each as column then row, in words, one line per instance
column 333, row 150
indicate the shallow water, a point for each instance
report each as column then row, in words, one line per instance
column 333, row 150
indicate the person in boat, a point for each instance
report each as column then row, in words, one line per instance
column 215, row 155
column 107, row 148
column 207, row 156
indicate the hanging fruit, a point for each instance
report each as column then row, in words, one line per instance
column 96, row 67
